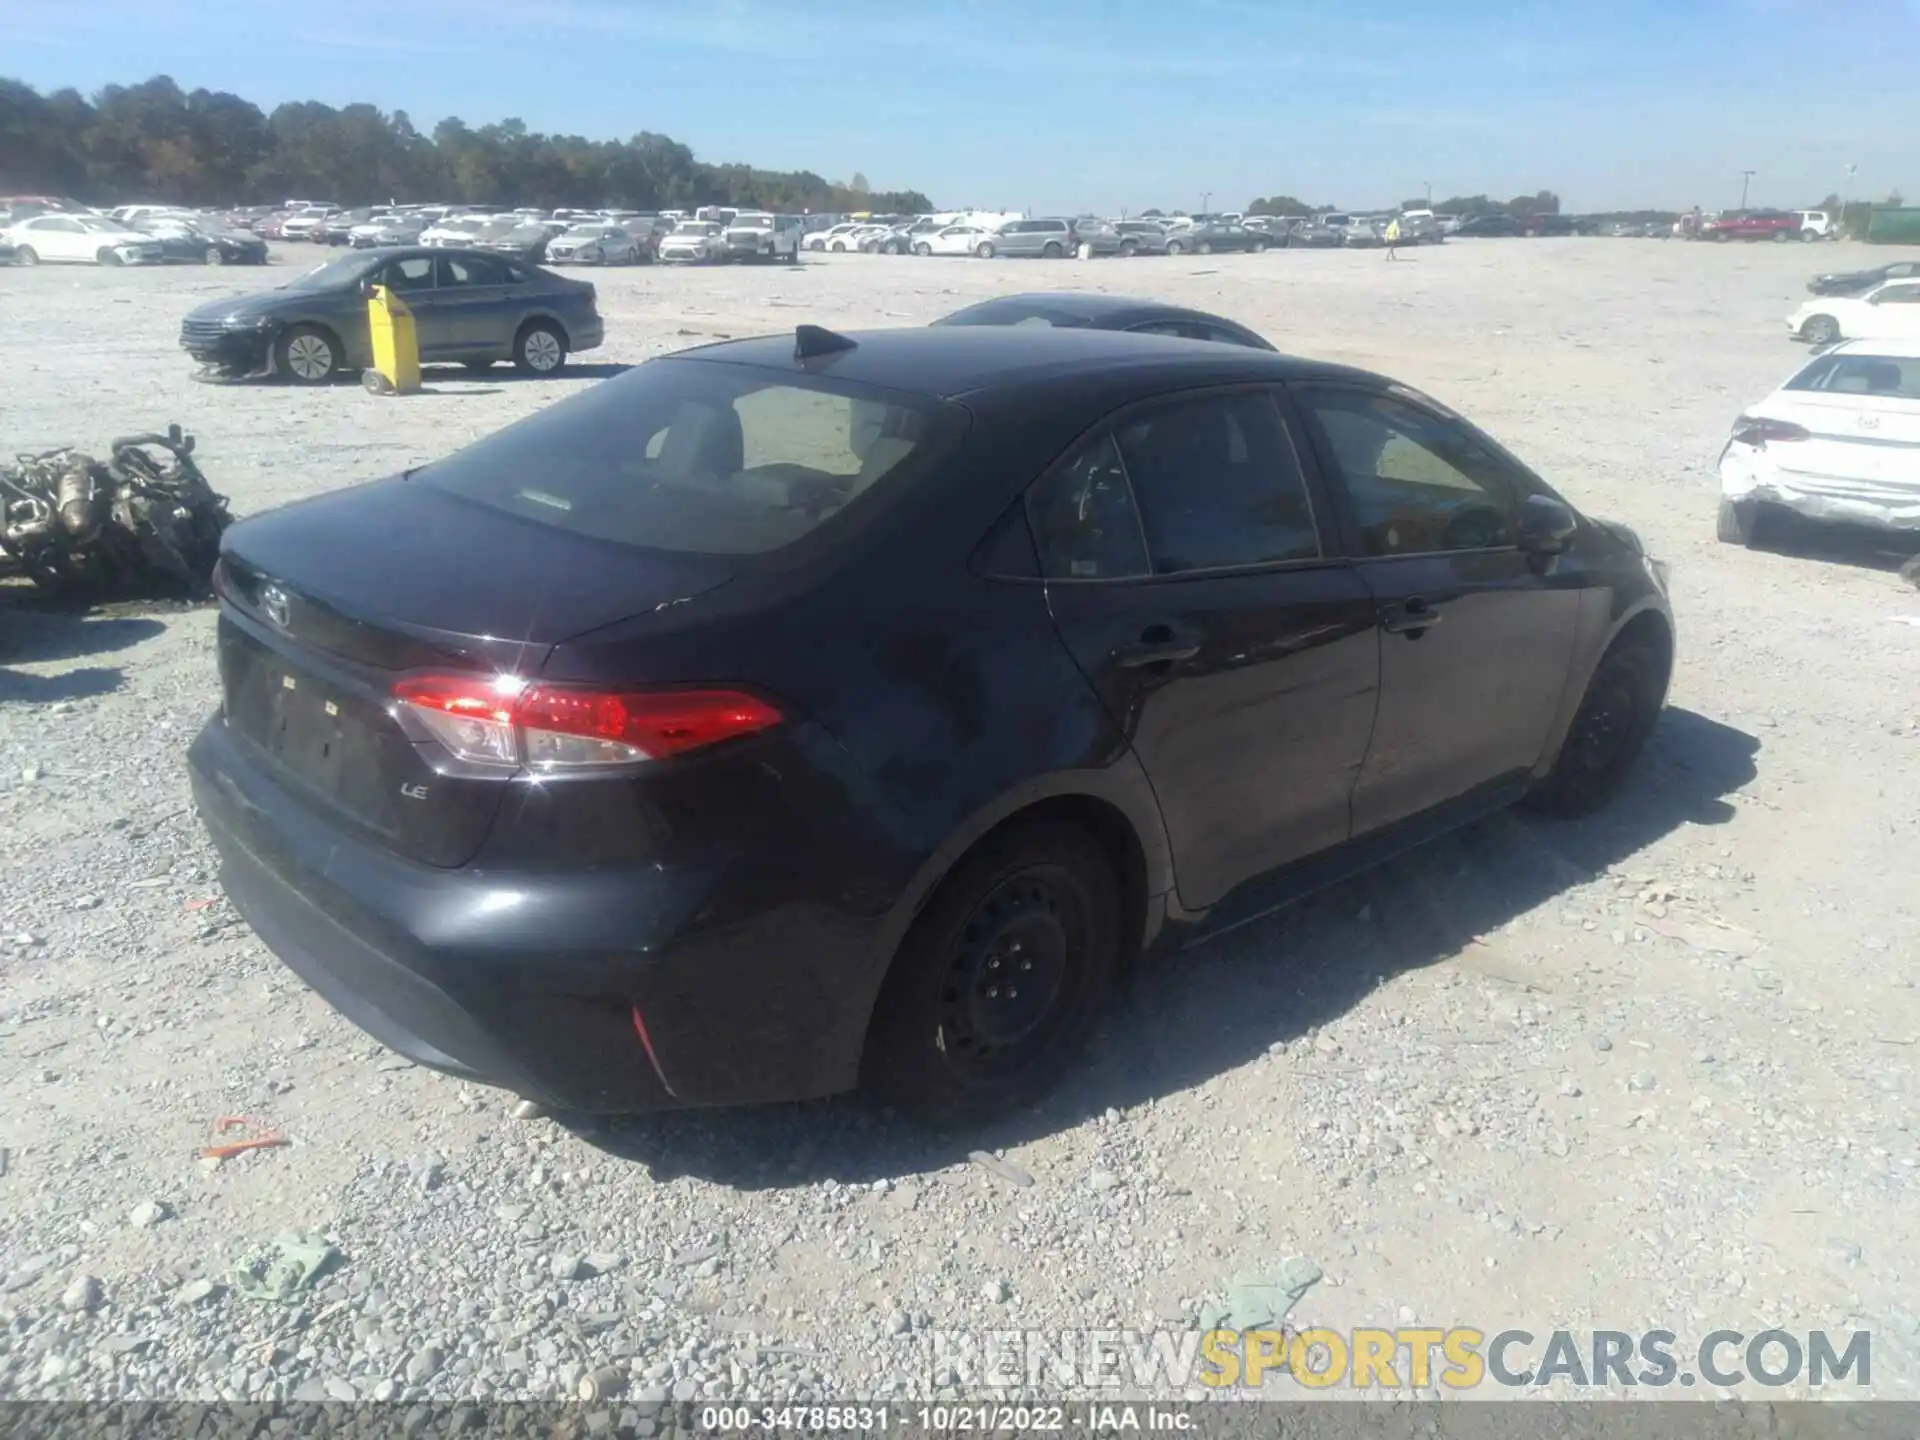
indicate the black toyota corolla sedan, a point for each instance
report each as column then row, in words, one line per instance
column 797, row 713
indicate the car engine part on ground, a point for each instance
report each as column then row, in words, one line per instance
column 143, row 523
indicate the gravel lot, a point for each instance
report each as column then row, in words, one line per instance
column 1651, row 1070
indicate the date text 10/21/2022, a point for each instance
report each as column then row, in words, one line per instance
column 1102, row 1417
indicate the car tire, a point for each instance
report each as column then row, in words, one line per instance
column 950, row 1043
column 215, row 256
column 1807, row 237
column 984, row 250
column 1616, row 715
column 1820, row 330
column 1736, row 523
column 1174, row 247
column 107, row 256
column 1052, row 251
column 1128, row 249
column 307, row 355
column 1721, row 237
column 923, row 249
column 1781, row 237
column 539, row 349
column 839, row 247
column 26, row 255
column 1205, row 247
column 1086, row 250
column 1259, row 247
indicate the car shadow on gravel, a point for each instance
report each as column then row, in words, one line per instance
column 1227, row 999
column 1863, row 547
column 34, row 633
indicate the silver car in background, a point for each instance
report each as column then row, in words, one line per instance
column 595, row 244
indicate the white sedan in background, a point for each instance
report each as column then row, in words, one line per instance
column 80, row 240
column 956, row 240
column 840, row 237
column 695, row 242
column 1887, row 312
column 1839, row 441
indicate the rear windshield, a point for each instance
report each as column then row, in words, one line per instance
column 701, row 458
column 1015, row 312
column 1888, row 377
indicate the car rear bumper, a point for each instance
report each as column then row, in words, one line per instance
column 603, row 991
column 1749, row 476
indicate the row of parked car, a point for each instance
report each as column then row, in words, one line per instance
column 149, row 236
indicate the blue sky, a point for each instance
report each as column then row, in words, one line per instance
column 1069, row 105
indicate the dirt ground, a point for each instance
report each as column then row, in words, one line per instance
column 1651, row 1071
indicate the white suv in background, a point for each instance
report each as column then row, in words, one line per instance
column 1818, row 225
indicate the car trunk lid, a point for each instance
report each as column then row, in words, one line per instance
column 327, row 603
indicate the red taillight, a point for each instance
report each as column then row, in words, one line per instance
column 1757, row 430
column 504, row 720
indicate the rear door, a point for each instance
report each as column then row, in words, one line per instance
column 1892, row 312
column 1476, row 642
column 476, row 305
column 1190, row 576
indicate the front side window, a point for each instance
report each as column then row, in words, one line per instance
column 415, row 272
column 1899, row 295
column 1417, row 484
column 1218, row 485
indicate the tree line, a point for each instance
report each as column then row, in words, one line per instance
column 1541, row 202
column 156, row 142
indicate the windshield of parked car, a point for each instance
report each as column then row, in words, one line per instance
column 590, row 232
column 697, row 457
column 696, row 227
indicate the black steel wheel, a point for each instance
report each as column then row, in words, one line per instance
column 1616, row 715
column 998, row 984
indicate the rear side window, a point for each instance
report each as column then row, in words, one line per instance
column 702, row 458
column 1218, row 485
column 1083, row 518
column 1882, row 375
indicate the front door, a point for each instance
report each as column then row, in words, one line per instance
column 1476, row 637
column 1190, row 575
column 411, row 278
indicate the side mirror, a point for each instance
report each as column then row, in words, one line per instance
column 367, row 287
column 1546, row 525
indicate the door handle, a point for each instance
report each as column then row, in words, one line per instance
column 1157, row 645
column 1411, row 617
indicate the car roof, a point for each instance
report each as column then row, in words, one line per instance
column 1881, row 349
column 950, row 362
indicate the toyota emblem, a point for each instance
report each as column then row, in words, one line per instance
column 275, row 605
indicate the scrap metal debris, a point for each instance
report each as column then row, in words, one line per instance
column 285, row 1270
column 257, row 1137
column 143, row 523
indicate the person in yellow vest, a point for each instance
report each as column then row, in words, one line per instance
column 1392, row 237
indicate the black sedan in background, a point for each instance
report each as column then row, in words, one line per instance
column 1218, row 235
column 1077, row 310
column 800, row 712
column 1858, row 282
column 182, row 243
column 1484, row 226
column 468, row 306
